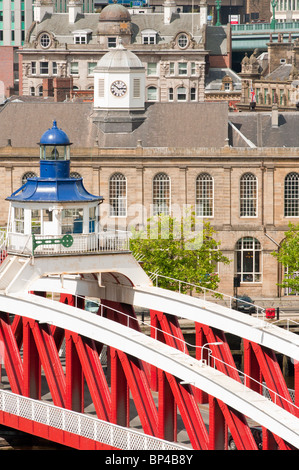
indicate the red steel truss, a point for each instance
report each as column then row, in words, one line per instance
column 31, row 348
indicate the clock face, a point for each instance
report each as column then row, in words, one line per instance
column 118, row 88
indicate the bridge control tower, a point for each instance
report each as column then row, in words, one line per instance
column 53, row 215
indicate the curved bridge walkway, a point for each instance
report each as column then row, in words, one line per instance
column 142, row 363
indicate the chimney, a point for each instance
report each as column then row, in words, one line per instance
column 169, row 9
column 274, row 115
column 41, row 8
column 75, row 8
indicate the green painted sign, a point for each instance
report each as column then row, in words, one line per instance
column 66, row 241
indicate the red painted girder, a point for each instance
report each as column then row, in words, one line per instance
column 50, row 361
column 94, row 375
column 190, row 413
column 12, row 359
column 31, row 364
column 236, row 421
column 17, row 328
column 273, row 377
column 141, row 393
column 166, row 410
column 184, row 395
column 120, row 409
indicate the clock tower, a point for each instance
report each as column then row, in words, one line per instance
column 119, row 91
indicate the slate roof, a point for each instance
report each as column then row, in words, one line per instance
column 215, row 76
column 257, row 127
column 25, row 122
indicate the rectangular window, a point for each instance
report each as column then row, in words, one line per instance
column 72, row 221
column 149, row 39
column 171, row 68
column 193, row 68
column 182, row 68
column 152, row 68
column 111, row 42
column 74, row 68
column 33, row 68
column 44, row 68
column 92, row 219
column 193, row 94
column 91, row 66
column 36, row 222
column 54, row 68
column 170, row 94
column 80, row 39
column 19, row 219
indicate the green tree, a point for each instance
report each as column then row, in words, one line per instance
column 179, row 250
column 288, row 256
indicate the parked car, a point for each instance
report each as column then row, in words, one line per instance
column 257, row 435
column 243, row 303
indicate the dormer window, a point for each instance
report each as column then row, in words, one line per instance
column 45, row 40
column 149, row 36
column 82, row 36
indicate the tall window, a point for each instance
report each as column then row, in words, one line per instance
column 248, row 195
column 161, row 194
column 204, row 195
column 118, row 195
column 291, row 195
column 248, row 260
column 152, row 93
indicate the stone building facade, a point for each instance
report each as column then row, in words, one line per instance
column 241, row 188
column 176, row 49
column 272, row 76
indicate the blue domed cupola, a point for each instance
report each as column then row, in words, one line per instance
column 53, row 207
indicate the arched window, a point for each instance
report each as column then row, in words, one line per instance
column 248, row 260
column 118, row 195
column 152, row 93
column 181, row 93
column 248, row 195
column 291, row 195
column 75, row 174
column 204, row 195
column 28, row 174
column 161, row 194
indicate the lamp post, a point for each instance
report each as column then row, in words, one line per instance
column 218, row 6
column 208, row 344
column 273, row 21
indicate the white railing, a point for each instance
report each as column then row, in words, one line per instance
column 68, row 243
column 205, row 291
column 80, row 424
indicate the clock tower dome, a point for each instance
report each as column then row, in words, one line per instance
column 119, row 91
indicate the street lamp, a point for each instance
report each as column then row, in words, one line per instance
column 208, row 344
column 273, row 21
column 218, row 6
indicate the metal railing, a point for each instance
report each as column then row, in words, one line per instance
column 35, row 244
column 266, row 27
column 80, row 424
column 206, row 291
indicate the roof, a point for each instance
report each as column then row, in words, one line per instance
column 119, row 58
column 215, row 77
column 115, row 12
column 24, row 123
column 54, row 136
column 257, row 127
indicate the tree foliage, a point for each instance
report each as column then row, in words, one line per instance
column 288, row 256
column 179, row 250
